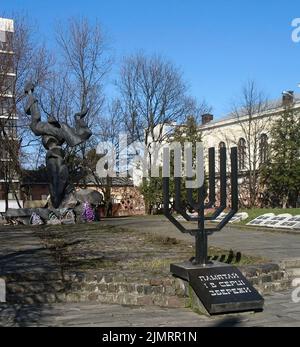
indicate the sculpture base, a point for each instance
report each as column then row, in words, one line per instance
column 221, row 288
column 69, row 212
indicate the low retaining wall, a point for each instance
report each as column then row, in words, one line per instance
column 127, row 289
column 167, row 291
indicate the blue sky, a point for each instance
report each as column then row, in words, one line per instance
column 218, row 44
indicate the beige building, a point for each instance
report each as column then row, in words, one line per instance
column 240, row 130
column 251, row 134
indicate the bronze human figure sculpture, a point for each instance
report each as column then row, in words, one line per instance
column 54, row 135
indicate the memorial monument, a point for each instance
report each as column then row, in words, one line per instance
column 54, row 135
column 221, row 288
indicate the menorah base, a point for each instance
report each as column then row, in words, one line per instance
column 221, row 288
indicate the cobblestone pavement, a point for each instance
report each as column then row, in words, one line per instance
column 279, row 311
column 271, row 245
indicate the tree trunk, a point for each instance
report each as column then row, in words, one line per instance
column 17, row 199
column 6, row 192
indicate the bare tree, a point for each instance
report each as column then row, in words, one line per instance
column 85, row 54
column 250, row 114
column 76, row 83
column 153, row 96
column 111, row 128
column 198, row 109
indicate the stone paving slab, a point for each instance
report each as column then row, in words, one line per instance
column 98, row 315
column 22, row 251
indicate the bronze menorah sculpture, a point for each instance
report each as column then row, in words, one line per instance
column 221, row 288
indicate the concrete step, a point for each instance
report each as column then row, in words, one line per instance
column 129, row 299
column 32, row 276
column 143, row 295
column 276, row 286
column 34, row 287
column 39, row 298
column 294, row 272
column 292, row 267
column 290, row 263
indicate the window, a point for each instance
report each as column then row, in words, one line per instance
column 6, row 42
column 6, row 63
column 7, row 85
column 2, row 36
column 8, row 127
column 242, row 154
column 264, row 149
column 222, row 145
column 11, row 196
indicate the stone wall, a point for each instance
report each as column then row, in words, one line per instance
column 132, row 289
column 129, row 200
column 135, row 289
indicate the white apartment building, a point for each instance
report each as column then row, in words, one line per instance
column 8, row 117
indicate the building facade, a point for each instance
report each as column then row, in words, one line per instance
column 251, row 134
column 9, row 182
column 119, row 193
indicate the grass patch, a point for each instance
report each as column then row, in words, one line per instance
column 233, row 258
column 160, row 265
column 90, row 264
column 153, row 266
column 96, row 247
column 161, row 240
column 65, row 230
